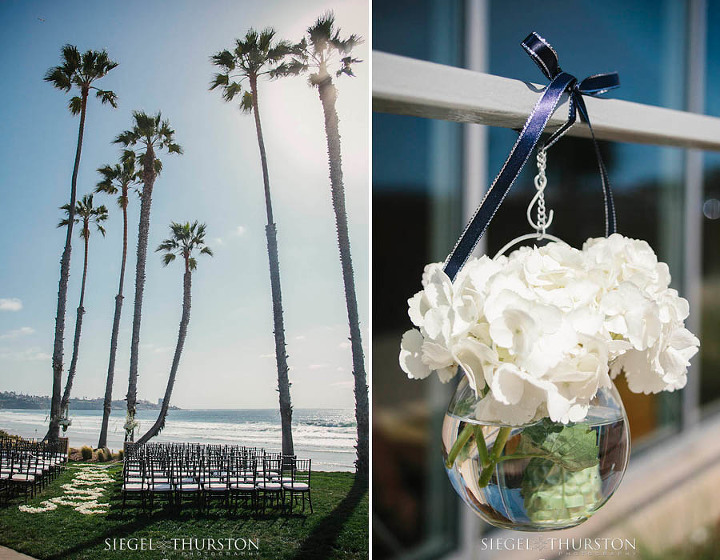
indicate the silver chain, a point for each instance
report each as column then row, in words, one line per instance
column 544, row 219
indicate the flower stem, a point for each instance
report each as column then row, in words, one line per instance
column 521, row 456
column 460, row 442
column 481, row 447
column 494, row 458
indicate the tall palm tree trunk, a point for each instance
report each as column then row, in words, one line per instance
column 143, row 235
column 328, row 96
column 78, row 331
column 53, row 432
column 278, row 323
column 182, row 333
column 107, row 403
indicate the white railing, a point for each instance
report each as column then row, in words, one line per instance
column 407, row 86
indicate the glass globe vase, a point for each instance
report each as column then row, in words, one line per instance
column 542, row 476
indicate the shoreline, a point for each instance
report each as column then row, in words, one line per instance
column 326, row 438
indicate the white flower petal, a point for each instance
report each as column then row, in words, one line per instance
column 417, row 307
column 476, row 359
column 436, row 356
column 410, row 355
column 507, row 384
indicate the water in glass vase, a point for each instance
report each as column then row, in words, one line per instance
column 538, row 477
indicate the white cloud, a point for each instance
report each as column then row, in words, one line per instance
column 300, row 337
column 27, row 355
column 346, row 384
column 22, row 331
column 218, row 241
column 10, row 304
column 344, row 345
column 155, row 348
column 265, row 356
column 240, row 230
column 318, row 366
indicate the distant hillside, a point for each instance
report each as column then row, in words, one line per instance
column 18, row 400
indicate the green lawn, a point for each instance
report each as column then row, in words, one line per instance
column 337, row 529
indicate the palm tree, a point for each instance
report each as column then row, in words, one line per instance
column 148, row 135
column 185, row 240
column 118, row 178
column 81, row 71
column 85, row 214
column 323, row 48
column 253, row 57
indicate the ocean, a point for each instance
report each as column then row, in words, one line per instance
column 323, row 435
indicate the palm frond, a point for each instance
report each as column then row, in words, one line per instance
column 321, row 31
column 279, row 51
column 246, row 104
column 231, row 90
column 346, row 67
column 220, row 80
column 167, row 258
column 344, row 46
column 127, row 138
column 58, row 76
column 109, row 175
column 107, row 96
column 224, row 59
column 292, row 68
column 71, row 56
column 75, row 105
column 167, row 245
column 264, row 40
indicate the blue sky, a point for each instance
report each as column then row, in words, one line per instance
column 163, row 49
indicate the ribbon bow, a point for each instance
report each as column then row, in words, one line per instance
column 546, row 59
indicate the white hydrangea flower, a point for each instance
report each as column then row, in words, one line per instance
column 539, row 332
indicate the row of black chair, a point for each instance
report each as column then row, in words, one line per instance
column 28, row 465
column 200, row 473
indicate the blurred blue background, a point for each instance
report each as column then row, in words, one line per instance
column 420, row 182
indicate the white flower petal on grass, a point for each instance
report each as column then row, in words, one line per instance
column 44, row 506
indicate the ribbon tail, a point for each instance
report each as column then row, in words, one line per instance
column 610, row 217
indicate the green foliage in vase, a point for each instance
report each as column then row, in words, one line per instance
column 552, row 493
column 562, row 480
column 573, row 447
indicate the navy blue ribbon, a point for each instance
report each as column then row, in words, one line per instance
column 560, row 82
